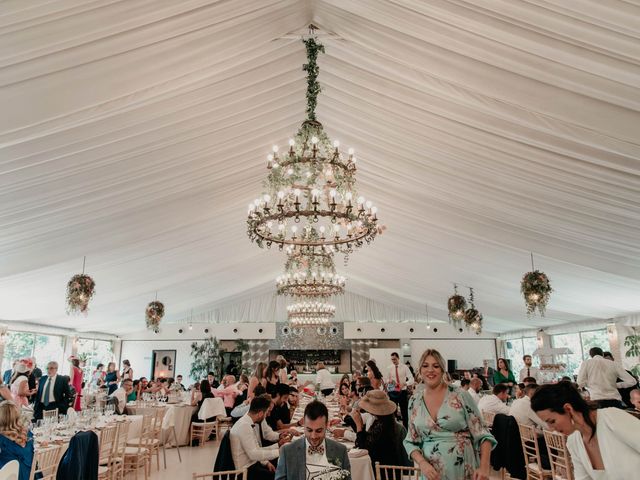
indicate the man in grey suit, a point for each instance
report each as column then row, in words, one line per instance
column 314, row 452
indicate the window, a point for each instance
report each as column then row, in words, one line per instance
column 93, row 352
column 44, row 348
column 571, row 341
column 594, row 338
column 530, row 345
column 518, row 348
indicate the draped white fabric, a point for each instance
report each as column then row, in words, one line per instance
column 135, row 132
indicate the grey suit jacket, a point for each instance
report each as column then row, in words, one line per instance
column 292, row 464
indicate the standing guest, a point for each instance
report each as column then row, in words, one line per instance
column 16, row 441
column 53, row 392
column 75, row 380
column 495, row 403
column 397, row 376
column 384, row 437
column 5, row 392
column 314, row 450
column 34, row 376
column 375, row 375
column 600, row 377
column 20, row 384
column 282, row 374
column 475, row 385
column 521, row 409
column 446, row 433
column 256, row 379
column 97, row 377
column 272, row 374
column 127, row 371
column 323, row 378
column 111, row 378
column 246, row 444
column 624, row 392
column 178, row 384
column 504, row 374
column 6, row 376
column 603, row 443
column 529, row 370
column 466, row 375
column 413, row 373
column 487, row 373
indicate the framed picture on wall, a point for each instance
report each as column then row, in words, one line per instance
column 163, row 363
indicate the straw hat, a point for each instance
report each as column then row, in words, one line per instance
column 376, row 402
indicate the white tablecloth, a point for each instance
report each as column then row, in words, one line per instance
column 212, row 407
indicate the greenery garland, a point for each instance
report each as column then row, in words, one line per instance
column 312, row 69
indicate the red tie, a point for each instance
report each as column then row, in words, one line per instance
column 397, row 379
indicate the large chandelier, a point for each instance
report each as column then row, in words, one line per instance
column 310, row 275
column 310, row 202
column 310, row 313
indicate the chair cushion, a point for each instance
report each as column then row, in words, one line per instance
column 134, row 450
column 135, row 441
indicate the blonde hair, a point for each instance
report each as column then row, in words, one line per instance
column 431, row 352
column 11, row 422
column 259, row 372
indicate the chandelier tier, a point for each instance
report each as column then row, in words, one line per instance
column 310, row 201
column 310, row 313
column 311, row 275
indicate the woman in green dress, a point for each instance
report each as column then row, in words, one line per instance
column 504, row 374
column 447, row 437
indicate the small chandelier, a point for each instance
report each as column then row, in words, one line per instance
column 536, row 289
column 310, row 313
column 310, row 202
column 154, row 314
column 80, row 289
column 456, row 306
column 311, row 275
column 472, row 317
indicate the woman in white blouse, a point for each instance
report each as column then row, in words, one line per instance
column 603, row 443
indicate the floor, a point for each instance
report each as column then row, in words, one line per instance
column 195, row 460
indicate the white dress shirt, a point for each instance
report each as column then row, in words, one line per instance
column 474, row 395
column 323, row 377
column 121, row 395
column 619, row 442
column 522, row 412
column 316, row 458
column 531, row 372
column 492, row 404
column 367, row 420
column 245, row 444
column 403, row 374
column 50, row 382
column 599, row 375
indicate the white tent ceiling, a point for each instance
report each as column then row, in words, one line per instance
column 135, row 132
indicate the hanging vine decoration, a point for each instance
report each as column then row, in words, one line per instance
column 80, row 291
column 456, row 305
column 312, row 69
column 154, row 314
column 536, row 289
column 472, row 317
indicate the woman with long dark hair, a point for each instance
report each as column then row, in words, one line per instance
column 375, row 375
column 504, row 374
column 603, row 443
column 273, row 377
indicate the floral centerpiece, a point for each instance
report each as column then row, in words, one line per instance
column 536, row 289
column 153, row 315
column 80, row 290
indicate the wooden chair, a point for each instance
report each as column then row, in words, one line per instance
column 139, row 456
column 156, row 442
column 531, row 451
column 119, row 449
column 10, row 471
column 488, row 418
column 108, row 437
column 228, row 475
column 393, row 472
column 47, row 414
column 559, row 457
column 45, row 462
column 223, row 423
column 200, row 431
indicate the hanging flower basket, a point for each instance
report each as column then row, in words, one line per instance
column 80, row 290
column 153, row 315
column 456, row 306
column 536, row 289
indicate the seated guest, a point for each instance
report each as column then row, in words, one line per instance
column 465, row 384
column 53, row 392
column 383, row 439
column 246, row 442
column 293, row 400
column 205, row 392
column 133, row 394
column 16, row 441
column 212, row 380
column 519, row 390
column 196, row 395
column 121, row 395
column 314, row 450
column 522, row 412
column 228, row 393
column 241, row 410
column 279, row 418
column 475, row 385
column 375, row 375
column 634, row 397
column 603, row 443
column 495, row 403
column 529, row 381
column 178, row 384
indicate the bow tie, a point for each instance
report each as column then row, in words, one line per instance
column 316, row 450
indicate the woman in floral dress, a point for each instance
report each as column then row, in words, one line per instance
column 446, row 433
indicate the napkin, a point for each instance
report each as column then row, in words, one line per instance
column 357, row 452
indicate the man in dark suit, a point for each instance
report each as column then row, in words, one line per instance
column 53, row 392
column 314, row 452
